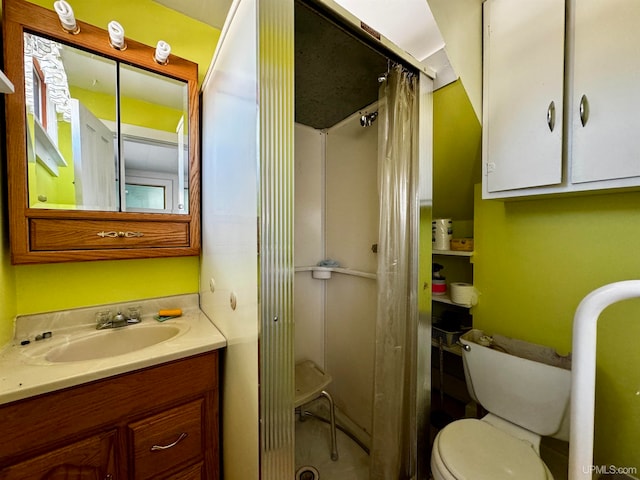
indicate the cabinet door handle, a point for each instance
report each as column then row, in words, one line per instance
column 584, row 110
column 551, row 116
column 155, row 448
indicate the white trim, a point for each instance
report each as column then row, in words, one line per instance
column 47, row 154
column 5, row 84
column 344, row 271
column 223, row 34
column 138, row 132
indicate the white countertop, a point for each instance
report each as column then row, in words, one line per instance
column 25, row 372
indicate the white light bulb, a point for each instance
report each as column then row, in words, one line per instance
column 65, row 13
column 163, row 49
column 116, row 35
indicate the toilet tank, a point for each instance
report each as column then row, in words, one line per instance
column 523, row 383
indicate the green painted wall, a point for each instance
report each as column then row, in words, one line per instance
column 69, row 285
column 59, row 190
column 535, row 260
column 38, row 288
column 133, row 111
column 457, row 149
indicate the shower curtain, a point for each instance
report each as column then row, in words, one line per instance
column 394, row 409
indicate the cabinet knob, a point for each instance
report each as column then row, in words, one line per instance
column 551, row 116
column 584, row 110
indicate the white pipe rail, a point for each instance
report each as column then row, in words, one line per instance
column 583, row 374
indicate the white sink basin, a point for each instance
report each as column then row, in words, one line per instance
column 112, row 342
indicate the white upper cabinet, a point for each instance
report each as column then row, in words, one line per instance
column 523, row 93
column 536, row 50
column 606, row 99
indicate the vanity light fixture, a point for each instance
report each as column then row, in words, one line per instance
column 116, row 36
column 67, row 19
column 163, row 49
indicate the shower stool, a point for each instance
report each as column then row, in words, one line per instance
column 310, row 385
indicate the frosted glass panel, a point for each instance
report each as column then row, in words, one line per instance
column 145, row 196
column 275, row 20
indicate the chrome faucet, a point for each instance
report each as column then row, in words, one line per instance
column 105, row 320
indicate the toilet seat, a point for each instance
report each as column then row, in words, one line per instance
column 471, row 449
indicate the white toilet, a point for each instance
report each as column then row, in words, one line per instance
column 526, row 399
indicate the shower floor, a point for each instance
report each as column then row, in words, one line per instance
column 313, row 441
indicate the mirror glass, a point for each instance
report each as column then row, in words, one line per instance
column 154, row 141
column 75, row 156
column 70, row 98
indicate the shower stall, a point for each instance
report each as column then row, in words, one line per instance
column 294, row 149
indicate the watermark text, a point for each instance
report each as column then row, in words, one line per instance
column 610, row 470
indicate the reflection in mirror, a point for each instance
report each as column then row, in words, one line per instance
column 70, row 99
column 72, row 141
column 154, row 141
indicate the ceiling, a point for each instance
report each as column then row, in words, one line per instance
column 211, row 12
column 408, row 23
column 336, row 74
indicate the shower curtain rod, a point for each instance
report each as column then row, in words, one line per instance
column 391, row 64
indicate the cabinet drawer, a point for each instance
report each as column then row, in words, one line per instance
column 49, row 234
column 167, row 439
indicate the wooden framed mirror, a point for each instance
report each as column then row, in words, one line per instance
column 102, row 144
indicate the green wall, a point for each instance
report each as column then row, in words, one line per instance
column 457, row 150
column 535, row 260
column 38, row 288
column 49, row 287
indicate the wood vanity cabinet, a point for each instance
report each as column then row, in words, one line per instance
column 156, row 423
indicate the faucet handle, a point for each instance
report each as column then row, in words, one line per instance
column 135, row 314
column 103, row 318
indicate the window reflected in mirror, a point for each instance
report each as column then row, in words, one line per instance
column 154, row 132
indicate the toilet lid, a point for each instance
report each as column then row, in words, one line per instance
column 475, row 450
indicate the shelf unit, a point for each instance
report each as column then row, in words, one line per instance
column 455, row 348
column 445, row 298
column 341, row 270
column 453, row 253
column 450, row 397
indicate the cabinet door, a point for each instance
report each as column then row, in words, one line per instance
column 523, row 93
column 606, row 139
column 89, row 459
